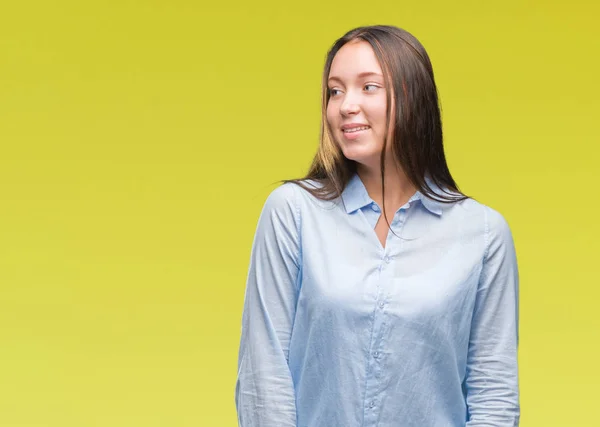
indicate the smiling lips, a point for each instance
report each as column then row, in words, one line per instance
column 354, row 125
column 354, row 131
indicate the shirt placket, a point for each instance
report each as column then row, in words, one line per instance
column 377, row 349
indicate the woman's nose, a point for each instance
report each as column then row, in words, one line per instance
column 350, row 103
column 349, row 107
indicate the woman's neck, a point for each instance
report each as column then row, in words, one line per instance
column 398, row 189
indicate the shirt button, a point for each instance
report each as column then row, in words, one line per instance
column 381, row 304
column 371, row 404
column 376, row 354
column 375, row 207
column 388, row 259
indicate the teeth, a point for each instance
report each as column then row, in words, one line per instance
column 356, row 129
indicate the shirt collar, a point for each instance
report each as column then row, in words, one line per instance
column 355, row 196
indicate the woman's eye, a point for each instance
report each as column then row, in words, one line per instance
column 371, row 86
column 332, row 91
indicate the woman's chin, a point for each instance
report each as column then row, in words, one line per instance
column 365, row 156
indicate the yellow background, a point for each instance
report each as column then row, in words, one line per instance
column 139, row 139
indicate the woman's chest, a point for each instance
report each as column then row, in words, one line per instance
column 425, row 270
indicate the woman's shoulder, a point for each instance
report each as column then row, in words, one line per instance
column 478, row 207
column 301, row 194
column 291, row 192
column 492, row 221
column 282, row 197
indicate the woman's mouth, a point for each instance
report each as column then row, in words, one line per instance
column 356, row 132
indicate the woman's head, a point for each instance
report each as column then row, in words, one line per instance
column 397, row 100
column 356, row 110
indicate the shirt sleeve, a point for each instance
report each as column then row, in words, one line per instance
column 264, row 391
column 492, row 386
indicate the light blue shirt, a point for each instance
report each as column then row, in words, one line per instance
column 338, row 331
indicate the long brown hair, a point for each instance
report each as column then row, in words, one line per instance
column 417, row 143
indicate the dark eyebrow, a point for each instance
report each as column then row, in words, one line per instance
column 361, row 75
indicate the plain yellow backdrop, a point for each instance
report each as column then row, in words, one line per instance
column 139, row 140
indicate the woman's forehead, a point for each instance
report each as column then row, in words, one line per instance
column 355, row 60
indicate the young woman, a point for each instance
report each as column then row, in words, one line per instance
column 378, row 294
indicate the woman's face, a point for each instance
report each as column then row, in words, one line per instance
column 357, row 100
